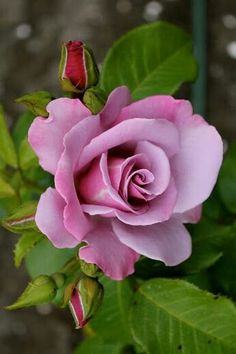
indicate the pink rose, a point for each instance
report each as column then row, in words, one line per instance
column 78, row 69
column 126, row 179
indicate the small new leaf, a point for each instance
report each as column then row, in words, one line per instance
column 36, row 102
column 22, row 220
column 7, row 148
column 25, row 243
column 39, row 291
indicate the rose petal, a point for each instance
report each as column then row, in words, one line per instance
column 49, row 219
column 157, row 107
column 159, row 166
column 108, row 253
column 133, row 130
column 190, row 216
column 93, row 209
column 118, row 98
column 135, row 185
column 74, row 219
column 95, row 188
column 196, row 166
column 158, row 210
column 120, row 169
column 46, row 135
column 121, row 204
column 168, row 242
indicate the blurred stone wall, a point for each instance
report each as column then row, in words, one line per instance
column 31, row 32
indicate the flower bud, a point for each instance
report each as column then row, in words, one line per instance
column 40, row 290
column 85, row 300
column 78, row 69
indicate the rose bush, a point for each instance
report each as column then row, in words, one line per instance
column 126, row 179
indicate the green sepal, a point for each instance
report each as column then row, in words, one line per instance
column 90, row 269
column 91, row 294
column 95, row 99
column 92, row 72
column 72, row 273
column 64, row 293
column 39, row 291
column 36, row 102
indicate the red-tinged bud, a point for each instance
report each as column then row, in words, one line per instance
column 78, row 69
column 85, row 300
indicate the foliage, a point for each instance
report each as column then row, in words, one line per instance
column 164, row 310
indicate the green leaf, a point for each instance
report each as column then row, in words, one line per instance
column 7, row 148
column 6, row 190
column 208, row 240
column 113, row 313
column 99, row 346
column 25, row 243
column 27, row 157
column 202, row 280
column 36, row 102
column 224, row 271
column 2, row 165
column 53, row 258
column 21, row 127
column 151, row 59
column 22, row 219
column 227, row 180
column 39, row 291
column 173, row 316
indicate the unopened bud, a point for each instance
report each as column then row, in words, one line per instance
column 78, row 69
column 85, row 300
column 39, row 291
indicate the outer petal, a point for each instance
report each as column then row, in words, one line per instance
column 49, row 219
column 46, row 135
column 119, row 98
column 74, row 219
column 157, row 107
column 104, row 249
column 168, row 242
column 191, row 216
column 158, row 131
column 196, row 166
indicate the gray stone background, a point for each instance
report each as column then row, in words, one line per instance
column 31, row 32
